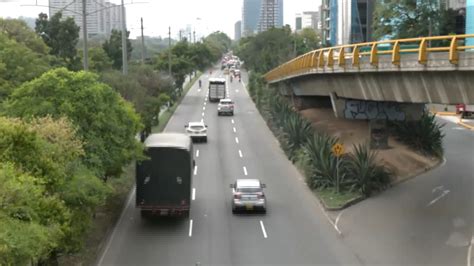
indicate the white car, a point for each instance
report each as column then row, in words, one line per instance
column 225, row 106
column 197, row 131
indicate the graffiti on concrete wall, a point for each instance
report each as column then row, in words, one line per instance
column 355, row 109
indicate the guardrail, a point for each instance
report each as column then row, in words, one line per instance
column 336, row 56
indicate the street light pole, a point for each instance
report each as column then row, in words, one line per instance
column 124, row 42
column 143, row 44
column 84, row 31
column 169, row 51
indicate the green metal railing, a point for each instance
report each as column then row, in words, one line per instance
column 336, row 56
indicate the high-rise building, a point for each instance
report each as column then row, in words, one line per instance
column 346, row 21
column 237, row 30
column 250, row 15
column 102, row 16
column 271, row 15
column 456, row 4
column 470, row 21
column 298, row 22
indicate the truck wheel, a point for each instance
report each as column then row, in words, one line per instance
column 234, row 211
column 144, row 213
column 205, row 139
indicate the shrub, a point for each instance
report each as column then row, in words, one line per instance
column 363, row 170
column 424, row 135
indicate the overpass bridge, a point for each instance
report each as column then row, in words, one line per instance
column 390, row 79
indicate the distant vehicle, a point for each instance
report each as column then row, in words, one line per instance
column 225, row 106
column 465, row 110
column 197, row 131
column 226, row 71
column 237, row 73
column 248, row 195
column 163, row 181
column 216, row 89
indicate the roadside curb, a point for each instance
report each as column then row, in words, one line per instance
column 340, row 208
column 465, row 125
column 444, row 113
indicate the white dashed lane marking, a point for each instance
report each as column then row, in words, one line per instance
column 236, row 140
column 240, row 154
column 263, row 230
column 245, row 171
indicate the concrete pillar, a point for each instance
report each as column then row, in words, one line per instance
column 378, row 134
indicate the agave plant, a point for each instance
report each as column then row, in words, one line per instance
column 425, row 135
column 297, row 132
column 324, row 165
column 364, row 172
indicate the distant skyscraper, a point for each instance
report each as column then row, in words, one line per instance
column 346, row 21
column 298, row 22
column 237, row 30
column 103, row 15
column 470, row 21
column 271, row 15
column 250, row 15
column 308, row 19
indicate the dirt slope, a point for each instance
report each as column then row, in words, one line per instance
column 402, row 160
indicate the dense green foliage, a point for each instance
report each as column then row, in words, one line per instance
column 61, row 35
column 46, row 190
column 396, row 19
column 424, row 135
column 113, row 48
column 105, row 122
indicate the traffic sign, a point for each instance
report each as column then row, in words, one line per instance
column 338, row 149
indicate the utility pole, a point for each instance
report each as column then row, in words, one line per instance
column 84, row 31
column 169, row 51
column 124, row 42
column 180, row 35
column 194, row 36
column 143, row 43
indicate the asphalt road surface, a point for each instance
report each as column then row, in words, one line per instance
column 427, row 220
column 295, row 230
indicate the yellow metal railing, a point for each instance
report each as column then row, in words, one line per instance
column 337, row 56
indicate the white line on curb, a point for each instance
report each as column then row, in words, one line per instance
column 263, row 229
column 337, row 221
column 194, row 193
column 240, row 154
column 235, row 130
column 245, row 171
column 195, row 169
column 469, row 252
column 197, row 153
column 237, row 140
column 190, row 228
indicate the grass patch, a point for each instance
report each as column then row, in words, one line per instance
column 333, row 200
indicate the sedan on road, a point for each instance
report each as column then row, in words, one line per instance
column 197, row 131
column 225, row 106
column 248, row 195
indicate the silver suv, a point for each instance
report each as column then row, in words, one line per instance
column 225, row 106
column 248, row 195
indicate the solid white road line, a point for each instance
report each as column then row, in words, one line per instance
column 195, row 169
column 190, row 227
column 194, row 193
column 235, row 130
column 263, row 230
column 438, row 198
column 240, row 154
column 245, row 171
column 110, row 241
column 469, row 252
column 237, row 140
column 232, row 121
column 337, row 221
column 197, row 153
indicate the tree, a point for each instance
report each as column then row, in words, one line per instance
column 267, row 49
column 307, row 40
column 397, row 19
column 113, row 48
column 18, row 64
column 20, row 32
column 105, row 122
column 61, row 35
column 99, row 61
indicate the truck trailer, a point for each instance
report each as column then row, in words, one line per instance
column 164, row 178
column 217, row 90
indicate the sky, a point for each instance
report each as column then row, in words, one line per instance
column 204, row 16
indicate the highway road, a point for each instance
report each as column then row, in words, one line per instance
column 427, row 220
column 295, row 230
